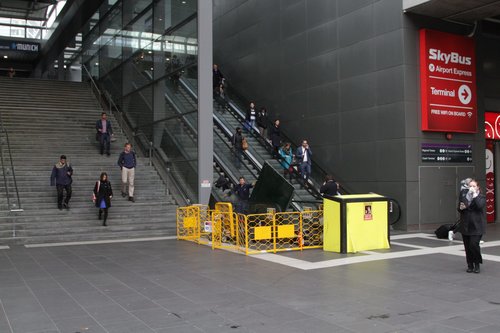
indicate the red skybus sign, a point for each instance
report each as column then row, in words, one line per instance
column 447, row 82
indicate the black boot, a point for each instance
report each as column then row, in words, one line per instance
column 476, row 268
column 105, row 217
column 470, row 268
column 100, row 214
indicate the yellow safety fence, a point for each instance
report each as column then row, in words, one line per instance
column 254, row 233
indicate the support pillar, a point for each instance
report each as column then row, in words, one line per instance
column 205, row 101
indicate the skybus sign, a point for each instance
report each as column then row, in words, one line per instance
column 447, row 82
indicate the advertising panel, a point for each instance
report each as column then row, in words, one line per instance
column 490, row 181
column 447, row 82
column 492, row 125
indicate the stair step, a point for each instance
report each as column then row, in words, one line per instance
column 32, row 112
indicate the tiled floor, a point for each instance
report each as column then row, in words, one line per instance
column 419, row 285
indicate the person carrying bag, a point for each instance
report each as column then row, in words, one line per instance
column 102, row 197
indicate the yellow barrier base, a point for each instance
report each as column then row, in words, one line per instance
column 221, row 228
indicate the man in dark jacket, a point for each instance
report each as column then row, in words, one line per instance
column 217, row 76
column 263, row 122
column 237, row 141
column 242, row 191
column 127, row 163
column 61, row 178
column 330, row 187
column 304, row 157
column 472, row 225
column 104, row 132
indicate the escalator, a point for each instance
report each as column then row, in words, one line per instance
column 225, row 123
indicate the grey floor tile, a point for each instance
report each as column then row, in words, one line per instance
column 134, row 302
column 158, row 318
column 21, row 305
column 303, row 326
column 31, row 322
column 178, row 304
column 435, row 328
column 367, row 325
column 487, row 329
column 462, row 323
column 110, row 314
column 92, row 299
column 185, row 328
column 128, row 326
column 79, row 324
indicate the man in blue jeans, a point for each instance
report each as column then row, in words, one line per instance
column 304, row 157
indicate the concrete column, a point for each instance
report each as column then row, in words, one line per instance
column 205, row 101
column 160, row 17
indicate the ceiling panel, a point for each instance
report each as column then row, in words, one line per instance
column 463, row 11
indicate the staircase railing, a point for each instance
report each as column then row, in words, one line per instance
column 13, row 205
column 394, row 206
column 296, row 204
column 140, row 140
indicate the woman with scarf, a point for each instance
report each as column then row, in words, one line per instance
column 102, row 196
column 472, row 204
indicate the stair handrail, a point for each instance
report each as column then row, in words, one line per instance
column 224, row 128
column 4, row 171
column 238, row 111
column 316, row 166
column 156, row 159
column 252, row 158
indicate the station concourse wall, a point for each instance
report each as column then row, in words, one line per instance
column 344, row 74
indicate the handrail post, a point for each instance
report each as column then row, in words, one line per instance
column 150, row 152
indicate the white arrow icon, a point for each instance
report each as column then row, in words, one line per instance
column 464, row 94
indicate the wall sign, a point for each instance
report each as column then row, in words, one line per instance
column 19, row 46
column 447, row 82
column 446, row 153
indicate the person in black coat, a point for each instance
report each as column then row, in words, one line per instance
column 275, row 134
column 61, row 178
column 472, row 208
column 102, row 196
column 242, row 191
column 262, row 122
column 237, row 141
column 217, row 76
column 330, row 187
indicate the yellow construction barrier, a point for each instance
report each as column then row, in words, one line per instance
column 254, row 233
column 194, row 223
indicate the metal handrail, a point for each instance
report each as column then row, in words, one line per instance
column 229, row 134
column 242, row 116
column 155, row 158
column 4, row 172
column 224, row 129
column 219, row 124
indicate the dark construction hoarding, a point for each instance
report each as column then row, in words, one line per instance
column 447, row 82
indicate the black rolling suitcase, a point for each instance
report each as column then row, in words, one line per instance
column 442, row 231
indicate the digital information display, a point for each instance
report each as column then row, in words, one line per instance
column 446, row 153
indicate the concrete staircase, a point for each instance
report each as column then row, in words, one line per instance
column 45, row 119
